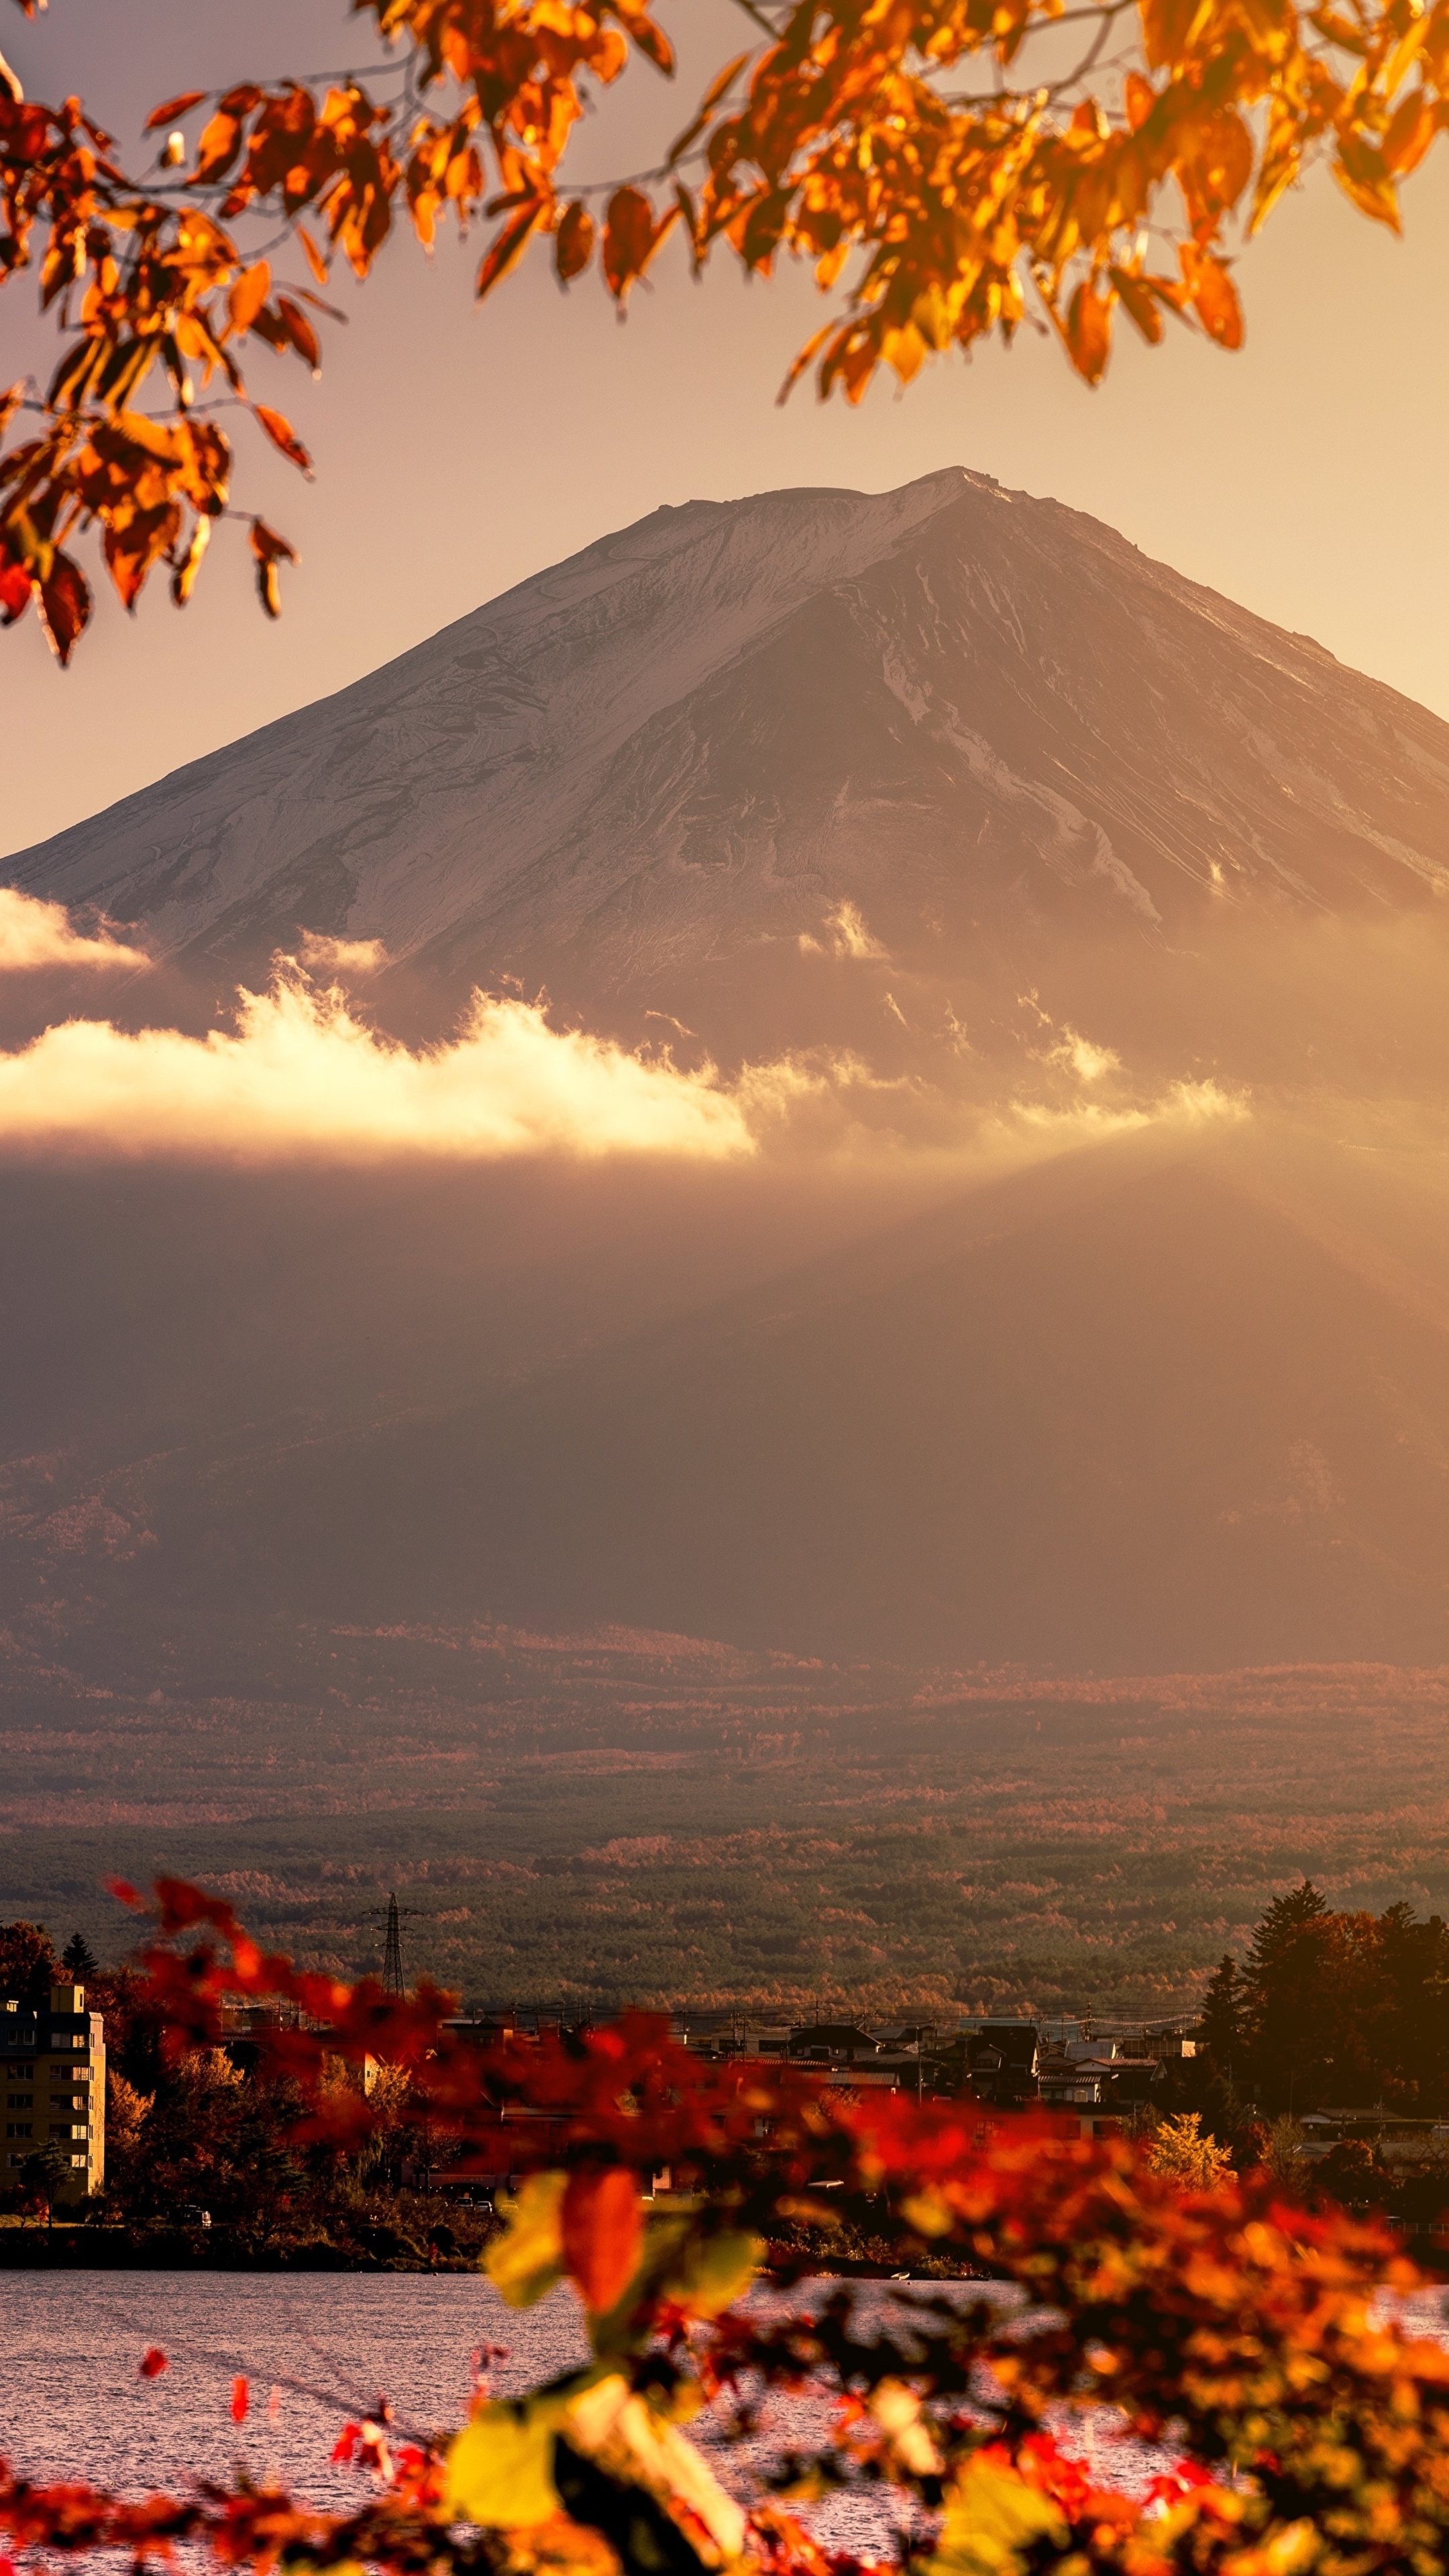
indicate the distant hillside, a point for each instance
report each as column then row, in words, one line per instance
column 1146, row 1407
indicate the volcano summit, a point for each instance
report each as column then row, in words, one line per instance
column 978, row 719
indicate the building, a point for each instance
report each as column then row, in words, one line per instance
column 54, row 2061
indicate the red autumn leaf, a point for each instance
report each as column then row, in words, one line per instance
column 602, row 2224
column 14, row 592
column 282, row 435
column 122, row 1889
column 65, row 607
column 173, row 107
column 630, row 239
column 153, row 2362
column 240, row 2399
column 574, row 246
column 300, row 332
column 345, row 2445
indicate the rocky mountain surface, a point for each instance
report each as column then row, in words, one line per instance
column 977, row 718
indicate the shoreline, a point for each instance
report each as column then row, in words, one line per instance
column 91, row 2249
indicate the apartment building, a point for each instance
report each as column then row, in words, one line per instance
column 54, row 2065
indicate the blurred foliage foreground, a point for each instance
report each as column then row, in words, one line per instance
column 1184, row 2305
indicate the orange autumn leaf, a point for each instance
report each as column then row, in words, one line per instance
column 1411, row 130
column 1214, row 299
column 602, row 2227
column 249, row 294
column 300, row 332
column 574, row 247
column 171, row 108
column 1139, row 301
column 65, row 606
column 312, row 255
column 936, row 170
column 508, row 248
column 282, row 435
column 1089, row 331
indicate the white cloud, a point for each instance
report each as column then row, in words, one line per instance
column 300, row 1076
column 1083, row 1057
column 849, row 937
column 323, row 956
column 35, row 934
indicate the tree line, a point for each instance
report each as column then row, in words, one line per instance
column 1333, row 2009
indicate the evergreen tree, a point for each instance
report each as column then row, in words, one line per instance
column 1295, row 1997
column 79, row 1959
column 1221, row 2026
column 1409, row 2028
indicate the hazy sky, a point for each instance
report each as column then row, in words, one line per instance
column 459, row 451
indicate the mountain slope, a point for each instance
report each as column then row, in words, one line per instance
column 1121, row 1413
column 978, row 717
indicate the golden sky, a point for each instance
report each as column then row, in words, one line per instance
column 459, row 450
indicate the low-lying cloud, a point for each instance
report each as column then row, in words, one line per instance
column 34, row 934
column 299, row 1074
column 323, row 955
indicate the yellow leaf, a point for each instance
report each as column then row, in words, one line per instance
column 904, row 350
column 527, row 2260
column 611, row 2424
column 716, row 2271
column 183, row 579
column 929, row 2212
column 500, row 2468
column 992, row 2518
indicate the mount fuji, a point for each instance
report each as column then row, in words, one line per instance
column 950, row 785
column 981, row 721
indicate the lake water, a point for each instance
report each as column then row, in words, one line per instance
column 317, row 2349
